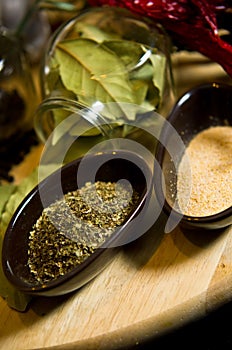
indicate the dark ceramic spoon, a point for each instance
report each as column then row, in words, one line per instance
column 204, row 106
column 111, row 166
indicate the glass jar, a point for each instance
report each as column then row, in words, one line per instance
column 107, row 57
column 18, row 97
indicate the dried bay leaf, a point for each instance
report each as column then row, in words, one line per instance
column 159, row 66
column 53, row 77
column 95, row 65
column 94, row 73
column 89, row 31
column 145, row 72
column 130, row 52
column 87, row 68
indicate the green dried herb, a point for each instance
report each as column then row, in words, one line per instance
column 95, row 65
column 73, row 227
column 11, row 196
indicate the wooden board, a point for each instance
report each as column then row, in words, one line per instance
column 153, row 285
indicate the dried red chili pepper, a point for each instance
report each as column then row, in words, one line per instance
column 193, row 23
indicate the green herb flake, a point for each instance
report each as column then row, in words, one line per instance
column 72, row 228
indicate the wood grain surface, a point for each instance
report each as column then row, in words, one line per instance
column 154, row 284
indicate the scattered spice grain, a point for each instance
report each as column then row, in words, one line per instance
column 209, row 155
column 72, row 228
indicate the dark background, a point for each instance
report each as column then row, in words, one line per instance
column 209, row 333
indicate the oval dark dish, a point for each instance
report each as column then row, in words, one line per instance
column 200, row 108
column 111, row 166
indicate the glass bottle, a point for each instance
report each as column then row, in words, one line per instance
column 105, row 57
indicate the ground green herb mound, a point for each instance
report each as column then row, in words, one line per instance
column 73, row 227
